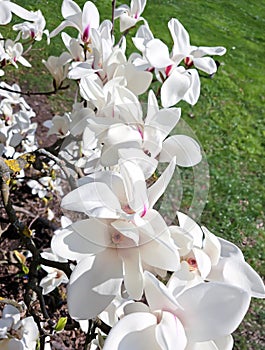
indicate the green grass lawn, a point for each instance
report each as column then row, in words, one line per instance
column 228, row 120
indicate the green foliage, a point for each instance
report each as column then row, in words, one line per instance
column 60, row 324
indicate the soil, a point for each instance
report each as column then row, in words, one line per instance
column 32, row 211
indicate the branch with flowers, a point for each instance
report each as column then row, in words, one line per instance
column 135, row 278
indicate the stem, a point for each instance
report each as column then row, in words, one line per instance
column 31, row 93
column 112, row 15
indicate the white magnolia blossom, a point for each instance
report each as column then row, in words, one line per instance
column 58, row 67
column 180, row 320
column 192, row 55
column 54, row 276
column 130, row 236
column 17, row 334
column 129, row 16
column 12, row 52
column 83, row 21
column 34, row 29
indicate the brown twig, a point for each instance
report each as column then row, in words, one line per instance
column 113, row 3
column 32, row 93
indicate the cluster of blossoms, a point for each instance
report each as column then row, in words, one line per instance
column 158, row 286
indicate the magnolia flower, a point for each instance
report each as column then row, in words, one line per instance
column 129, row 16
column 145, row 142
column 13, row 53
column 192, row 55
column 58, row 67
column 183, row 320
column 130, row 236
column 59, row 125
column 15, row 333
column 83, row 21
column 55, row 276
column 233, row 269
column 198, row 247
column 33, row 30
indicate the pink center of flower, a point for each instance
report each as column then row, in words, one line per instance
column 168, row 70
column 188, row 61
column 116, row 237
column 136, row 15
column 128, row 209
column 192, row 264
column 85, row 37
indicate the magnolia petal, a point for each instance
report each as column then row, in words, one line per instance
column 212, row 310
column 233, row 269
column 70, row 245
column 206, row 64
column 142, row 160
column 60, row 27
column 224, row 343
column 5, row 14
column 157, row 54
column 174, row 88
column 164, row 120
column 186, row 150
column 90, row 17
column 180, row 37
column 157, row 248
column 142, row 37
column 158, row 296
column 159, row 187
column 96, row 233
column 191, row 227
column 212, row 51
column 241, row 274
column 192, row 94
column 94, row 199
column 92, row 288
column 129, row 230
column 170, row 333
column 69, row 8
column 203, row 261
column 134, row 331
column 137, row 81
column 135, row 186
column 133, row 272
column 126, row 22
column 21, row 11
column 153, row 107
column 211, row 246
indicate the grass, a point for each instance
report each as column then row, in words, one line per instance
column 228, row 121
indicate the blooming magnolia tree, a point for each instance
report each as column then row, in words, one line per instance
column 135, row 279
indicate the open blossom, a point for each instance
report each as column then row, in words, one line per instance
column 192, row 55
column 12, row 52
column 54, row 276
column 129, row 16
column 15, row 333
column 130, row 236
column 34, row 29
column 58, row 67
column 205, row 256
column 180, row 320
column 83, row 21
